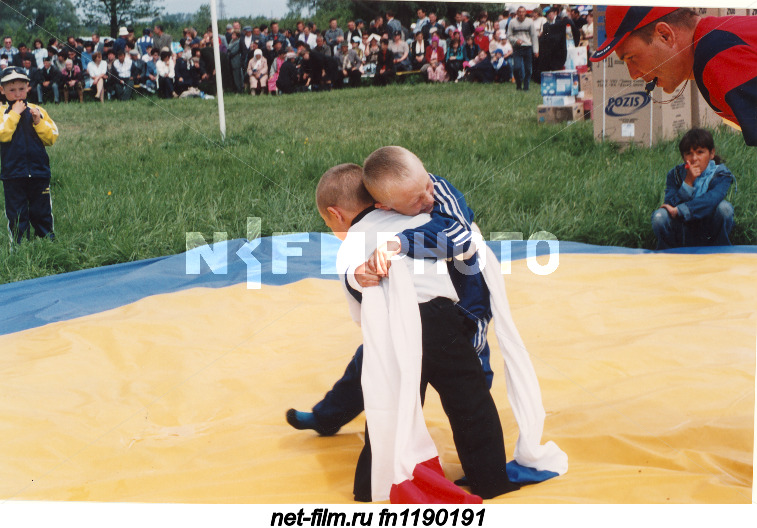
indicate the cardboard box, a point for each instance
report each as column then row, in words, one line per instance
column 585, row 84
column 588, row 107
column 622, row 110
column 577, row 56
column 558, row 100
column 702, row 114
column 564, row 82
column 560, row 114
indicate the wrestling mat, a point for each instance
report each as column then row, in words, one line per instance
column 167, row 380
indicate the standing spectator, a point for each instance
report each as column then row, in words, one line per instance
column 234, row 52
column 120, row 43
column 433, row 23
column 8, row 49
column 421, row 22
column 227, row 35
column 401, row 52
column 349, row 66
column 97, row 72
column 124, row 80
column 333, row 32
column 246, row 45
column 385, row 65
column 72, row 80
column 166, row 74
column 30, row 70
column 436, row 71
column 257, row 71
column 97, row 44
column 39, row 52
column 352, row 31
column 276, row 35
column 288, row 79
column 145, row 41
column 454, row 57
column 587, row 32
column 378, row 27
column 553, row 49
column 522, row 36
column 86, row 57
column 466, row 26
column 308, row 37
column 161, row 40
column 53, row 48
column 393, row 26
column 48, row 81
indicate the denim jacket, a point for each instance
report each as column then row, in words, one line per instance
column 681, row 195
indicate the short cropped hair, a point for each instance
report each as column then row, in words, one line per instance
column 342, row 186
column 683, row 17
column 386, row 166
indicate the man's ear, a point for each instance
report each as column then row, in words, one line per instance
column 665, row 32
column 379, row 205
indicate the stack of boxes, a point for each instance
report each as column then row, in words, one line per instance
column 566, row 94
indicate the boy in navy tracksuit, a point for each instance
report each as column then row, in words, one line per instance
column 448, row 234
column 25, row 131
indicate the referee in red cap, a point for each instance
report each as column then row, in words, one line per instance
column 667, row 46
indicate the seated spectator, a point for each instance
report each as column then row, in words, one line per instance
column 151, row 68
column 273, row 73
column 436, row 71
column 288, row 79
column 418, row 51
column 121, row 70
column 29, row 69
column 18, row 58
column 470, row 49
column 695, row 211
column 111, row 79
column 385, row 71
column 454, row 58
column 371, row 57
column 48, row 81
column 138, row 68
column 59, row 62
column 349, row 66
column 166, row 69
column 86, row 56
column 481, row 40
column 356, row 46
column 480, row 69
column 257, row 71
column 39, row 52
column 72, row 80
column 434, row 50
column 97, row 74
column 401, row 52
column 502, row 71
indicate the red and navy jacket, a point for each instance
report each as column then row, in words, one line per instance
column 725, row 69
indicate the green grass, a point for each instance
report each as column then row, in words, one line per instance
column 168, row 173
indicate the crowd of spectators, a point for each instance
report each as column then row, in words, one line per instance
column 268, row 59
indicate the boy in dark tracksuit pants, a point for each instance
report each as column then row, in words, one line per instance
column 25, row 131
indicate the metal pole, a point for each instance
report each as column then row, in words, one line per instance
column 219, row 81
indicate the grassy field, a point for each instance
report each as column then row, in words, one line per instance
column 131, row 179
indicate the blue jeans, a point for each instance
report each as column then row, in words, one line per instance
column 523, row 58
column 712, row 230
column 41, row 92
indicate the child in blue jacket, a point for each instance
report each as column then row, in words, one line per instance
column 695, row 211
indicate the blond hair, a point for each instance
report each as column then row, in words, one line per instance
column 342, row 186
column 385, row 167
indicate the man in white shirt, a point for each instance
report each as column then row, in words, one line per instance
column 122, row 70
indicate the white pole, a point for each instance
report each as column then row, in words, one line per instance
column 219, row 81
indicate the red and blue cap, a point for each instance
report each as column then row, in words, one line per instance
column 620, row 21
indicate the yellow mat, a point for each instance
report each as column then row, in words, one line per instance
column 646, row 364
